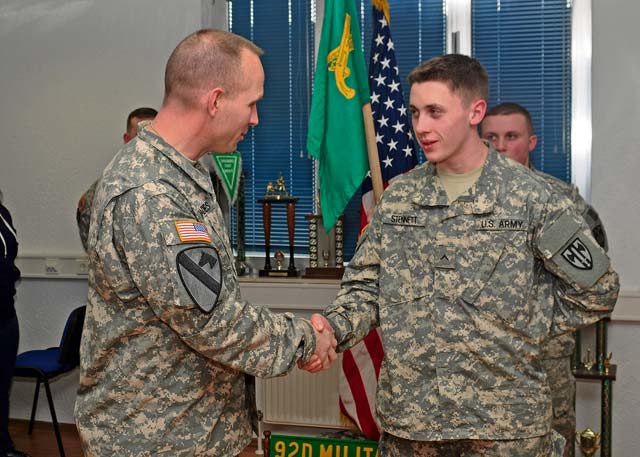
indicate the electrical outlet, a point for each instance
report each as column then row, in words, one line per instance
column 51, row 267
column 82, row 267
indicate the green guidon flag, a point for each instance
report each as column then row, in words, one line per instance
column 228, row 168
column 336, row 129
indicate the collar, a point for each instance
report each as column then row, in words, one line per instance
column 483, row 194
column 195, row 171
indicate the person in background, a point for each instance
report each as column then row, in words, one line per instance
column 167, row 338
column 449, row 269
column 509, row 128
column 83, row 210
column 9, row 331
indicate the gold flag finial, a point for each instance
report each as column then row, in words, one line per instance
column 382, row 5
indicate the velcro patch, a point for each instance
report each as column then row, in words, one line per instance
column 201, row 276
column 575, row 253
column 504, row 223
column 192, row 231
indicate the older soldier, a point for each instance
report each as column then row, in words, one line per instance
column 509, row 128
column 83, row 211
column 167, row 337
column 449, row 270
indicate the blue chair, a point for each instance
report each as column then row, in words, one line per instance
column 46, row 364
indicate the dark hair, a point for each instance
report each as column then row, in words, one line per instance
column 463, row 74
column 506, row 108
column 141, row 113
column 205, row 59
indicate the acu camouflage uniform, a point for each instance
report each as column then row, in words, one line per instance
column 458, row 294
column 83, row 214
column 166, row 336
column 557, row 352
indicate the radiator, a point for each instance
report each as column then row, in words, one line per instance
column 300, row 398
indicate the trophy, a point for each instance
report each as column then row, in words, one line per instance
column 325, row 249
column 588, row 362
column 278, row 195
column 588, row 441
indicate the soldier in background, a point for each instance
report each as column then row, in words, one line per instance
column 509, row 128
column 450, row 269
column 167, row 338
column 83, row 211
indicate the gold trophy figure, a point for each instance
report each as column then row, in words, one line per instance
column 588, row 362
column 588, row 441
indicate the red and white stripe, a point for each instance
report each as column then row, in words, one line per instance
column 358, row 382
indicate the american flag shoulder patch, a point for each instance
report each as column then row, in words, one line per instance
column 192, row 231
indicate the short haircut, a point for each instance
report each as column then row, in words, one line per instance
column 463, row 74
column 204, row 60
column 506, row 108
column 140, row 113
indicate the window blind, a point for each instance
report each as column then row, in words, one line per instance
column 277, row 146
column 525, row 45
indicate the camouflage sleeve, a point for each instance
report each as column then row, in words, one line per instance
column 355, row 311
column 585, row 284
column 591, row 217
column 250, row 339
column 83, row 214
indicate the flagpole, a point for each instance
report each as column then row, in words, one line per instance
column 372, row 152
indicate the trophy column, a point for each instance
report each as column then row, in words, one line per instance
column 266, row 224
column 291, row 229
column 278, row 270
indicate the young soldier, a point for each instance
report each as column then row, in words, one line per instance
column 451, row 269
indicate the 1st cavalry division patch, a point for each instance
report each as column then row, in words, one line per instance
column 199, row 269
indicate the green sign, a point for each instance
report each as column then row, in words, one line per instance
column 299, row 446
column 228, row 167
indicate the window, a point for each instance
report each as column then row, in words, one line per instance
column 525, row 45
column 285, row 30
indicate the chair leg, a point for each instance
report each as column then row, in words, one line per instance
column 34, row 406
column 56, row 429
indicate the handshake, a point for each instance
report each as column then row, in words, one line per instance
column 326, row 343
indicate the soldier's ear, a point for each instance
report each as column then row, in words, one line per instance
column 477, row 110
column 533, row 140
column 214, row 100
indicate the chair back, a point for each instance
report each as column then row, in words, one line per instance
column 70, row 343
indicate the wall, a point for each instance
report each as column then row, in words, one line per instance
column 615, row 193
column 71, row 72
column 616, row 113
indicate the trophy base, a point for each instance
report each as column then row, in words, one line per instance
column 278, row 273
column 324, row 273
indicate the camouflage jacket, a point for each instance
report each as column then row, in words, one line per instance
column 166, row 335
column 564, row 345
column 83, row 214
column 456, row 291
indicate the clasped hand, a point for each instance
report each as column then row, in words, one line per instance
column 326, row 344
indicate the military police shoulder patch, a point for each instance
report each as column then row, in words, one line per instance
column 201, row 276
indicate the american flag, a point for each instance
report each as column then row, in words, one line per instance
column 192, row 231
column 398, row 154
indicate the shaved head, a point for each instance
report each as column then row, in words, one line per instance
column 202, row 61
